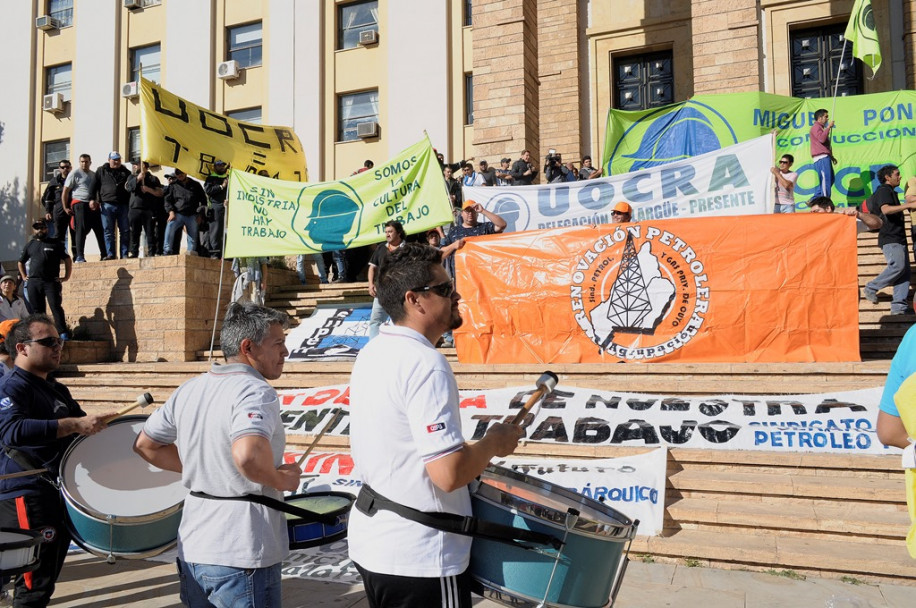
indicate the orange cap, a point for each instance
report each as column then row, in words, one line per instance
column 623, row 207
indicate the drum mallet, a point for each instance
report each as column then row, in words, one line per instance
column 326, row 428
column 142, row 401
column 545, row 385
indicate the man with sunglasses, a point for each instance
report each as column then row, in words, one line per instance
column 54, row 207
column 785, row 184
column 407, row 442
column 42, row 256
column 38, row 421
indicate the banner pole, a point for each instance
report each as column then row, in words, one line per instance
column 836, row 84
column 222, row 270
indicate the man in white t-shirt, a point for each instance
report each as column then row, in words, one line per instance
column 407, row 444
column 222, row 431
column 785, row 184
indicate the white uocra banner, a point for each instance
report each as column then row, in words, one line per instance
column 842, row 422
column 732, row 181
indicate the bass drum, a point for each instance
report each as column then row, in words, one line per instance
column 585, row 573
column 305, row 533
column 119, row 505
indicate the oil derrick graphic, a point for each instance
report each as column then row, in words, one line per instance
column 629, row 299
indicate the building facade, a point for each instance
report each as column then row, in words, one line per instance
column 361, row 79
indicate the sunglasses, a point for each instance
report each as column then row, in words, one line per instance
column 444, row 290
column 783, row 162
column 49, row 342
column 64, row 167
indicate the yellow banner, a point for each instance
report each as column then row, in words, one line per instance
column 272, row 217
column 177, row 133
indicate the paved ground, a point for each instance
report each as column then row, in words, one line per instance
column 88, row 581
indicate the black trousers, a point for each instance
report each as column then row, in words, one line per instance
column 215, row 233
column 44, row 513
column 62, row 226
column 45, row 294
column 141, row 219
column 389, row 591
column 84, row 221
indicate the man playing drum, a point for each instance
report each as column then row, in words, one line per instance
column 407, row 444
column 223, row 432
column 38, row 419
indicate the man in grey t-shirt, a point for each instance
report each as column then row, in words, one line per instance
column 222, row 431
column 77, row 202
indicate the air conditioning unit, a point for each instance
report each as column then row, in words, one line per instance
column 46, row 23
column 367, row 129
column 132, row 4
column 53, row 102
column 368, row 37
column 130, row 90
column 228, row 70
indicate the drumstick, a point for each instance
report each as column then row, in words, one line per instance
column 142, row 401
column 545, row 385
column 308, row 451
column 23, row 473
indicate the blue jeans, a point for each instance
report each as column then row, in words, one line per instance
column 206, row 586
column 113, row 215
column 824, row 169
column 340, row 261
column 897, row 274
column 376, row 318
column 190, row 223
column 319, row 262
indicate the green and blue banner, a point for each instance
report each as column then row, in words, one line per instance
column 871, row 131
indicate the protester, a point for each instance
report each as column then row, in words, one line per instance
column 38, row 419
column 54, row 207
column 222, row 431
column 504, row 173
column 622, row 213
column 215, row 186
column 408, row 446
column 11, row 305
column 110, row 191
column 146, row 195
column 587, row 171
column 394, row 238
column 785, row 184
column 864, row 221
column 572, row 174
column 303, row 258
column 889, row 425
column 250, row 280
column 487, row 173
column 78, row 203
column 892, row 241
column 43, row 256
column 452, row 187
column 471, row 178
column 183, row 200
column 822, row 152
column 524, row 172
column 6, row 361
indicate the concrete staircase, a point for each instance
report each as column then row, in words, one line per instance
column 818, row 514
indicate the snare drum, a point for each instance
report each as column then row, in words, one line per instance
column 304, row 533
column 119, row 505
column 18, row 551
column 585, row 573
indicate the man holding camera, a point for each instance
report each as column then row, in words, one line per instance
column 554, row 170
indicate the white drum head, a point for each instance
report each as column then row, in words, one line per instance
column 103, row 473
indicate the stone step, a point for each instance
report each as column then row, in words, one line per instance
column 744, row 549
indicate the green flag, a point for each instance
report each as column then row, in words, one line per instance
column 861, row 32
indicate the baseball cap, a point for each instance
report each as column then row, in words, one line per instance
column 483, row 162
column 114, row 156
column 506, row 160
column 623, row 207
column 219, row 162
column 468, row 203
column 169, row 176
column 8, row 277
column 39, row 223
column 5, row 328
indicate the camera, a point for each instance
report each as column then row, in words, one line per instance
column 552, row 157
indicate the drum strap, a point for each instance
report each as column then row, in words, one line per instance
column 26, row 463
column 279, row 505
column 371, row 502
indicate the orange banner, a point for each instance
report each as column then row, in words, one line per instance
column 762, row 288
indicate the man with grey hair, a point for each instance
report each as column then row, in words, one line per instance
column 222, row 431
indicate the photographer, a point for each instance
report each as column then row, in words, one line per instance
column 554, row 170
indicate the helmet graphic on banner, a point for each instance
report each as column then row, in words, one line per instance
column 332, row 220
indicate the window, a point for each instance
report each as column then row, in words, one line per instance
column 252, row 115
column 133, row 144
column 644, row 81
column 58, row 79
column 468, row 99
column 245, row 45
column 54, row 152
column 62, row 10
column 354, row 109
column 816, row 58
column 353, row 19
column 467, row 12
column 146, row 59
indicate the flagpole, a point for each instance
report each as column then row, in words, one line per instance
column 836, row 85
